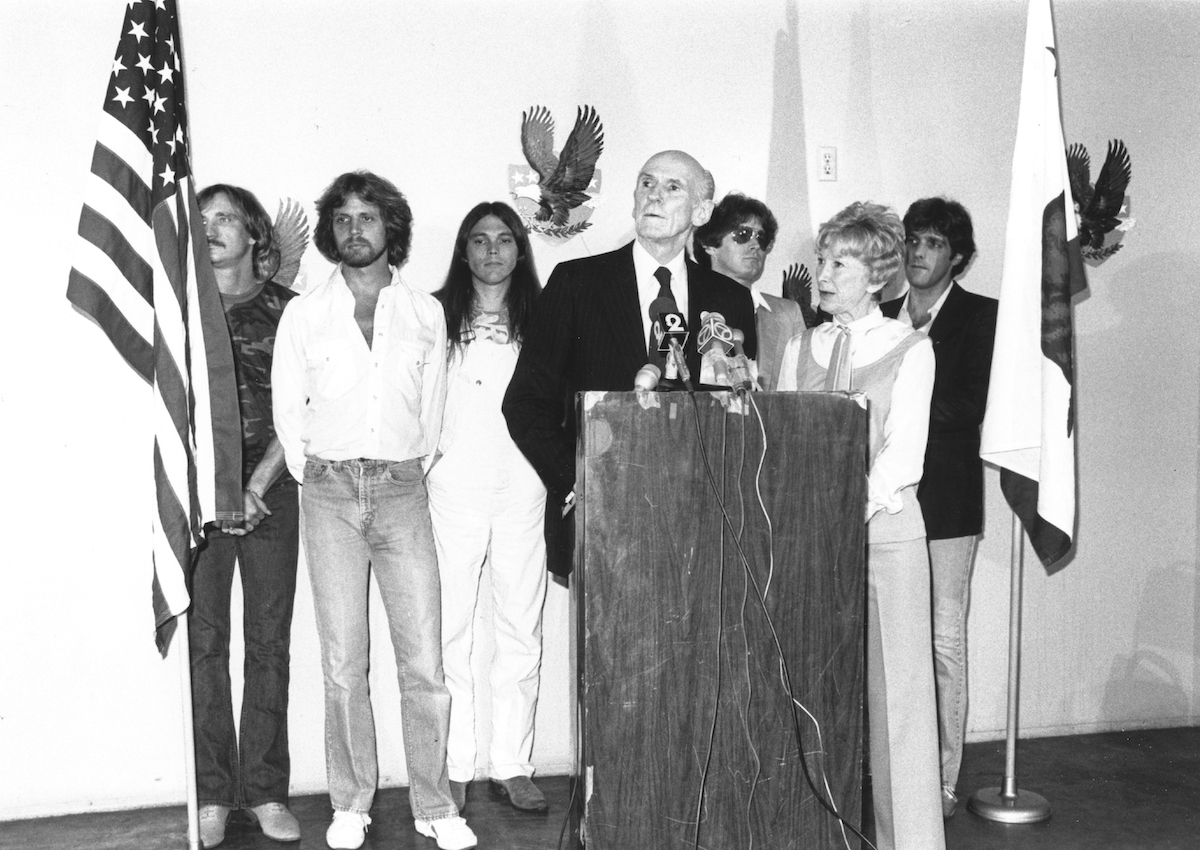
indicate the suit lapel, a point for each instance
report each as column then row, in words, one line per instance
column 697, row 295
column 949, row 318
column 619, row 298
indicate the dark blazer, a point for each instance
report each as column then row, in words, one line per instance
column 586, row 334
column 951, row 490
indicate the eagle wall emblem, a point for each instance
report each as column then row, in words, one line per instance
column 1102, row 208
column 555, row 195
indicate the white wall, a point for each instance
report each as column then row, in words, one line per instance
column 919, row 98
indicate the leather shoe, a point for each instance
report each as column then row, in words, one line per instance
column 212, row 824
column 276, row 821
column 458, row 793
column 520, row 792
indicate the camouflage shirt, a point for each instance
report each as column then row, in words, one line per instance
column 253, row 320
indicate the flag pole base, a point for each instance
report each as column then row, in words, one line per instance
column 1020, row 807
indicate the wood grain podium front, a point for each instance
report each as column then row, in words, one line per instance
column 686, row 728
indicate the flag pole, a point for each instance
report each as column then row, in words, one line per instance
column 1007, row 804
column 183, row 646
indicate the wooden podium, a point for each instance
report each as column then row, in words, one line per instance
column 684, row 715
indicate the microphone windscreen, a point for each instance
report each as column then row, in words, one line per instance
column 647, row 377
column 738, row 339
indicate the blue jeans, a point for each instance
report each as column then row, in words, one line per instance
column 362, row 516
column 950, row 563
column 254, row 767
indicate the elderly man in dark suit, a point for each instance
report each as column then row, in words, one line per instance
column 591, row 328
column 940, row 243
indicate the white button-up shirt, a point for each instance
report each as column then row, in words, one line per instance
column 644, row 266
column 903, row 315
column 338, row 399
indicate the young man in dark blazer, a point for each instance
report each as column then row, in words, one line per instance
column 962, row 325
column 591, row 327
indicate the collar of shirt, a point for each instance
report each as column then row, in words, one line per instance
column 871, row 337
column 337, row 283
column 644, row 267
column 904, row 317
column 231, row 301
column 756, row 296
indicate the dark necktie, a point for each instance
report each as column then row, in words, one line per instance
column 663, row 275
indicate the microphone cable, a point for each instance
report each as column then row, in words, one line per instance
column 786, row 677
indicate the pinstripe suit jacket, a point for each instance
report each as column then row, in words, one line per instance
column 586, row 334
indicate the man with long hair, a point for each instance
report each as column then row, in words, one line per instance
column 360, row 376
column 248, row 769
column 487, row 503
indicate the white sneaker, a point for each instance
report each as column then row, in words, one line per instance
column 348, row 830
column 451, row 833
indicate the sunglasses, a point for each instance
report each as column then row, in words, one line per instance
column 742, row 235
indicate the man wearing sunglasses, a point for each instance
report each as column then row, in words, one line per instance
column 735, row 242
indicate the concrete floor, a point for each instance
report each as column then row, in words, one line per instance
column 1116, row 791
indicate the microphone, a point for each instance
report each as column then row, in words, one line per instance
column 739, row 375
column 675, row 356
column 714, row 335
column 647, row 378
column 670, row 332
column 668, row 323
column 714, row 341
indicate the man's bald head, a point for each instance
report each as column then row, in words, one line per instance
column 673, row 196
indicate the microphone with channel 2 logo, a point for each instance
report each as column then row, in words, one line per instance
column 670, row 334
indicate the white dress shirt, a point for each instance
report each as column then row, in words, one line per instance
column 901, row 460
column 644, row 266
column 338, row 399
column 904, row 317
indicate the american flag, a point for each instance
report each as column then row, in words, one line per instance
column 142, row 273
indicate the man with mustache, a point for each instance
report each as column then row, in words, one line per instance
column 939, row 243
column 591, row 328
column 360, row 383
column 248, row 769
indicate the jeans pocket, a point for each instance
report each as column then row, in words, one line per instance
column 315, row 470
column 410, row 473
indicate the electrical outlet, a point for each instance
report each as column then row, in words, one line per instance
column 827, row 164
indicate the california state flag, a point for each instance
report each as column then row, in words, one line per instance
column 1029, row 427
